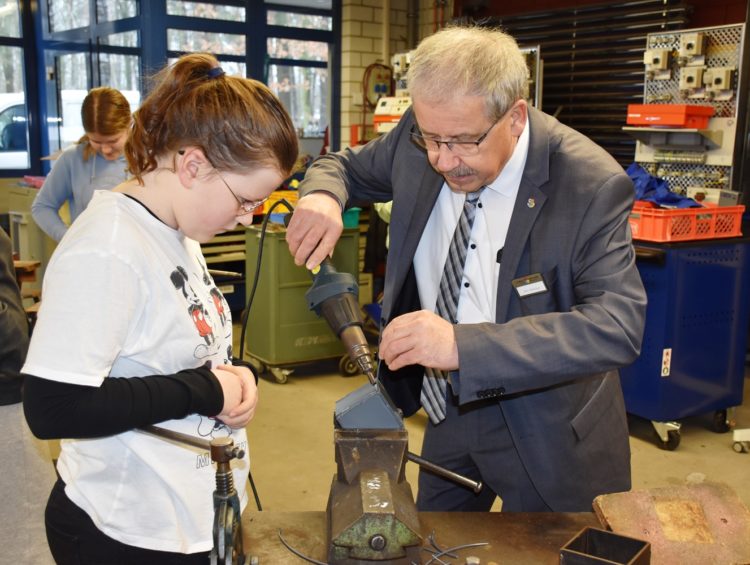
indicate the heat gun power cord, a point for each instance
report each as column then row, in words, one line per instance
column 246, row 314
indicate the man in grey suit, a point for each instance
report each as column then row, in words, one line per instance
column 550, row 303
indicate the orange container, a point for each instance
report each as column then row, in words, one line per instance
column 669, row 115
column 686, row 224
column 290, row 196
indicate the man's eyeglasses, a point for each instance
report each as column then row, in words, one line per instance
column 459, row 147
column 246, row 206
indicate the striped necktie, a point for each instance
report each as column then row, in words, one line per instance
column 434, row 384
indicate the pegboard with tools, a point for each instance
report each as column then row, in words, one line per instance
column 697, row 72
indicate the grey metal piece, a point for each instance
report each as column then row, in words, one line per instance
column 368, row 407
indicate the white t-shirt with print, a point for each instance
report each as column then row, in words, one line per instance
column 125, row 295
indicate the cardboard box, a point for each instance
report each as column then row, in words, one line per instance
column 714, row 196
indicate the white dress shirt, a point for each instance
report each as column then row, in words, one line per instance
column 477, row 301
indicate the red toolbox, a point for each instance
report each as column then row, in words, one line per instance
column 669, row 115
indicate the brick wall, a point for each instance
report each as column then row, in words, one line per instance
column 362, row 45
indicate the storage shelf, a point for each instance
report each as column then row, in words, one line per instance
column 677, row 139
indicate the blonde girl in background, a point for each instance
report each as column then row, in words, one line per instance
column 96, row 162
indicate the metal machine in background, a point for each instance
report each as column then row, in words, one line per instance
column 389, row 109
column 695, row 69
column 534, row 84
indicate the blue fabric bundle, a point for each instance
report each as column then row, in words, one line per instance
column 654, row 189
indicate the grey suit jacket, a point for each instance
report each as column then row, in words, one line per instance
column 550, row 359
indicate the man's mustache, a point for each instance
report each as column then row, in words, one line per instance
column 460, row 171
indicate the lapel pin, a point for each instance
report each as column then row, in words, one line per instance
column 531, row 203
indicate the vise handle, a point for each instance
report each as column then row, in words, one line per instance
column 475, row 486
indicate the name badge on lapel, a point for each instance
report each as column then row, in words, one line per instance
column 529, row 285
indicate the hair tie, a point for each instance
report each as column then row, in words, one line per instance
column 215, row 72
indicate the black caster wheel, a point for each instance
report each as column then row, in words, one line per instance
column 720, row 424
column 673, row 440
column 347, row 367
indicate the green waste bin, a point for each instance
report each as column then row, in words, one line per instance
column 282, row 330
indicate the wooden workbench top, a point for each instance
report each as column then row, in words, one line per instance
column 518, row 538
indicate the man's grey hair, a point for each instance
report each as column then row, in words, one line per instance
column 473, row 61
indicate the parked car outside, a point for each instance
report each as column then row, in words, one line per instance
column 14, row 143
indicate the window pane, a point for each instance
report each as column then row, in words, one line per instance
column 72, row 70
column 68, row 14
column 14, row 133
column 124, row 39
column 318, row 4
column 11, row 71
column 304, row 93
column 111, row 10
column 123, row 73
column 230, row 67
column 10, row 18
column 282, row 48
column 304, row 21
column 233, row 68
column 202, row 10
column 192, row 41
column 72, row 84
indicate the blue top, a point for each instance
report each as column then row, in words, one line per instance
column 74, row 180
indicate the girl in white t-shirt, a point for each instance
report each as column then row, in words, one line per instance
column 132, row 330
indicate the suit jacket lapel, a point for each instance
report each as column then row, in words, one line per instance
column 529, row 203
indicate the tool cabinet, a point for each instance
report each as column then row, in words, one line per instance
column 693, row 357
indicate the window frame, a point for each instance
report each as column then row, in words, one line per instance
column 31, row 91
column 41, row 46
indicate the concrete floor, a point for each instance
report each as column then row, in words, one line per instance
column 291, row 443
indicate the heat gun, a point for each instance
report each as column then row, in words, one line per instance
column 334, row 297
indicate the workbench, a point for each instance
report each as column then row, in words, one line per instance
column 514, row 537
column 25, row 270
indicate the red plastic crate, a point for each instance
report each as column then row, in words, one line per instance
column 686, row 224
column 669, row 115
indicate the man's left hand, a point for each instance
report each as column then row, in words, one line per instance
column 419, row 338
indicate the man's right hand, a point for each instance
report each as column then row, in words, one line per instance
column 314, row 229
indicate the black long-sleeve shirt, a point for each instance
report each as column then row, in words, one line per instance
column 61, row 410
